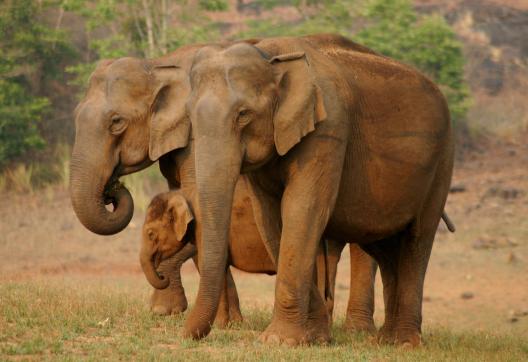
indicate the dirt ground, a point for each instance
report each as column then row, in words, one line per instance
column 477, row 278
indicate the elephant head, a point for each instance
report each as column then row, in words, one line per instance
column 133, row 112
column 165, row 232
column 246, row 108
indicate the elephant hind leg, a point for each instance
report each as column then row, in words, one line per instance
column 360, row 309
column 385, row 253
column 403, row 262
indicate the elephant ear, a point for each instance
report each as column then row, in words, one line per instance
column 169, row 126
column 301, row 103
column 180, row 215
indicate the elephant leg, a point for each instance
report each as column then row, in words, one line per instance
column 385, row 253
column 235, row 315
column 300, row 314
column 222, row 315
column 360, row 309
column 229, row 306
column 172, row 300
column 327, row 273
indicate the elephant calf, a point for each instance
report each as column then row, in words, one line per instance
column 169, row 240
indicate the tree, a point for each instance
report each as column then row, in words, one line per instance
column 31, row 55
column 143, row 28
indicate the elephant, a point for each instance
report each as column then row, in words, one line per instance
column 136, row 111
column 168, row 234
column 334, row 142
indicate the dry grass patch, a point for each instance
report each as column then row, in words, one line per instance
column 72, row 319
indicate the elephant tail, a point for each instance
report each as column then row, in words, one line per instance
column 450, row 226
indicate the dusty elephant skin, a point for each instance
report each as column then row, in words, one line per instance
column 332, row 139
column 124, row 118
column 361, row 146
column 123, row 124
column 168, row 233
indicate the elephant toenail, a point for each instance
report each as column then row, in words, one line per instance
column 291, row 342
column 273, row 339
column 160, row 310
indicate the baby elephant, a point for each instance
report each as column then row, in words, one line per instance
column 169, row 240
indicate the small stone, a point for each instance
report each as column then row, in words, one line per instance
column 426, row 299
column 341, row 286
column 513, row 319
column 469, row 277
column 457, row 188
column 512, row 258
column 467, row 295
column 132, row 225
column 512, row 316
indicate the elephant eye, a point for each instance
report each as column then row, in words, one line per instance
column 117, row 125
column 243, row 117
column 151, row 234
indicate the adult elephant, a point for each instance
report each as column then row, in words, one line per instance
column 132, row 114
column 247, row 251
column 332, row 139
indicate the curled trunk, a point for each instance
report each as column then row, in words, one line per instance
column 149, row 269
column 90, row 191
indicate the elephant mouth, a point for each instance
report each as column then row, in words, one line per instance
column 156, row 260
column 112, row 189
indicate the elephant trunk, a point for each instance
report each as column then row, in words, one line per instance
column 91, row 189
column 149, row 269
column 217, row 169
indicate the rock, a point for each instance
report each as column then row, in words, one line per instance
column 467, row 295
column 512, row 316
column 426, row 299
column 493, row 243
column 457, row 188
column 132, row 225
column 512, row 258
column 506, row 193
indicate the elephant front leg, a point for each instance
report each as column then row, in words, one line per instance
column 360, row 309
column 300, row 315
column 172, row 300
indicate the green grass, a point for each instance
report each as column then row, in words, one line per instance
column 73, row 319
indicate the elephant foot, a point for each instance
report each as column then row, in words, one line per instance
column 361, row 326
column 408, row 338
column 386, row 335
column 167, row 302
column 286, row 333
column 235, row 317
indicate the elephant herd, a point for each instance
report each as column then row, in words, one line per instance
column 278, row 152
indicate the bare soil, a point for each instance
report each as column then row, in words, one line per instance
column 477, row 278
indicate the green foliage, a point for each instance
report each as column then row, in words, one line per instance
column 31, row 53
column 213, row 5
column 317, row 16
column 19, row 116
column 139, row 28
